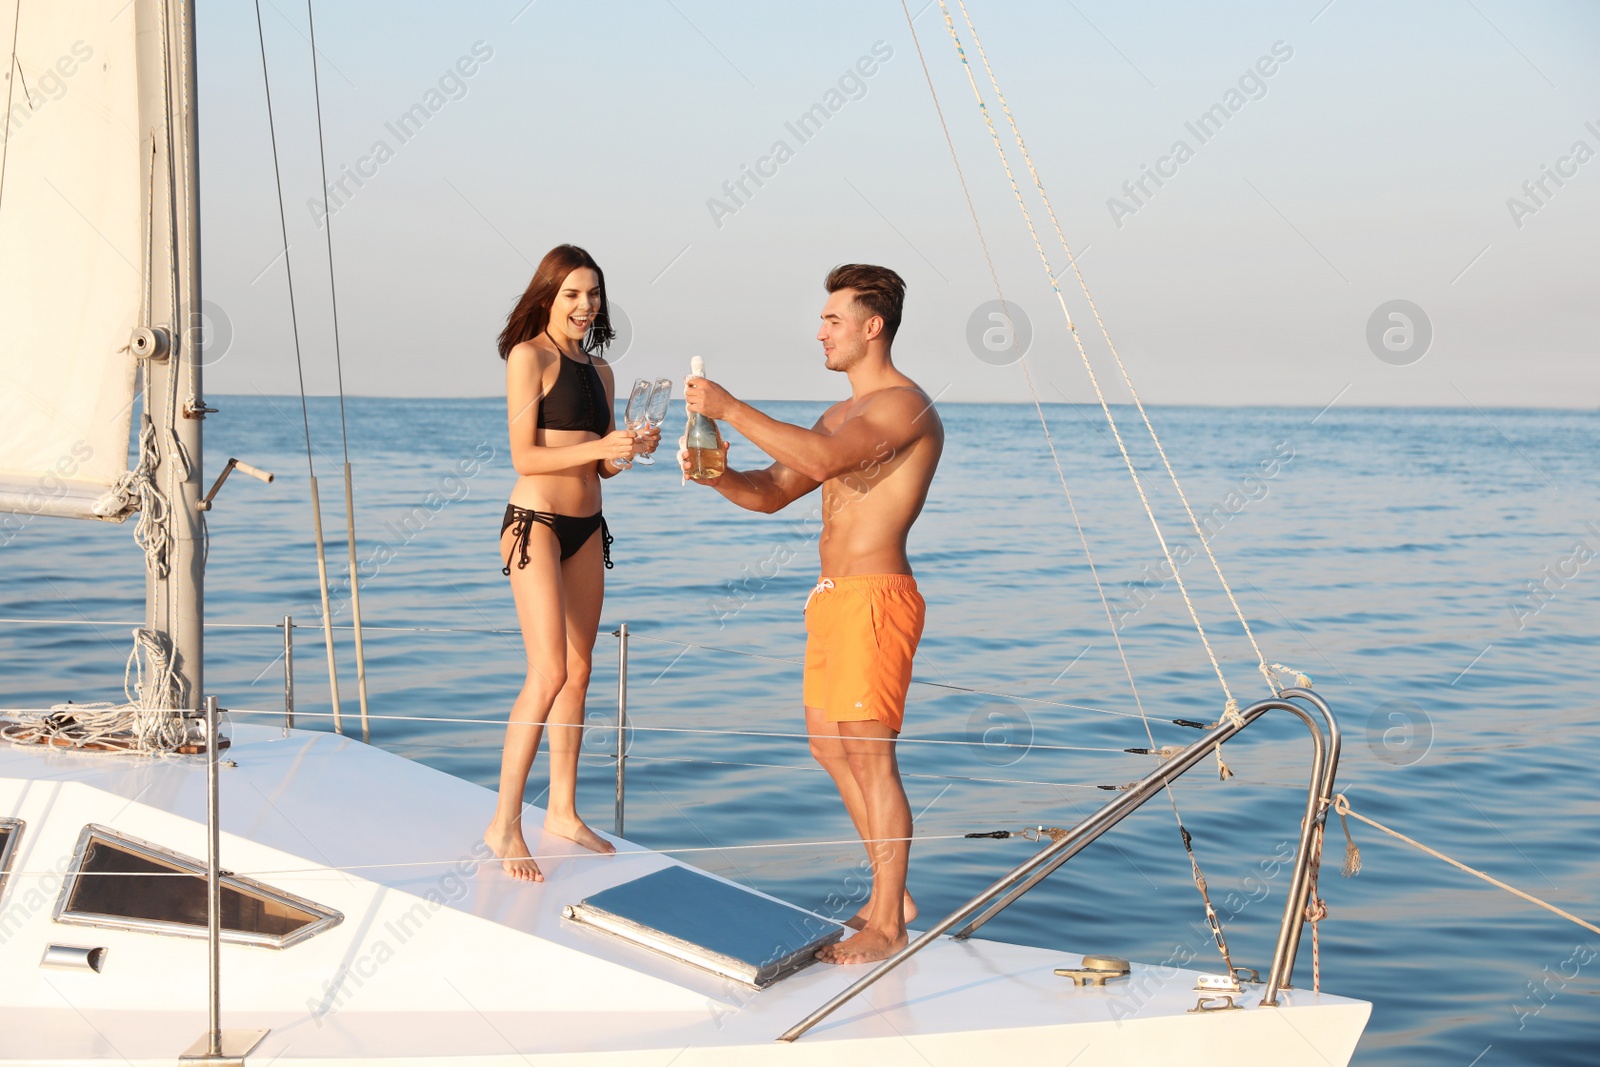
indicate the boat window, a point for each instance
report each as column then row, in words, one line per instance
column 10, row 834
column 120, row 881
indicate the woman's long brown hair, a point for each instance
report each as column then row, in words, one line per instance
column 532, row 313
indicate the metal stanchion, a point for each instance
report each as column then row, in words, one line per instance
column 622, row 721
column 216, row 1046
column 288, row 672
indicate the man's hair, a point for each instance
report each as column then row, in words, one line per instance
column 879, row 290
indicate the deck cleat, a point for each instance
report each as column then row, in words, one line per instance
column 1096, row 970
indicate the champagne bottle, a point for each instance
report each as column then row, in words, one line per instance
column 704, row 442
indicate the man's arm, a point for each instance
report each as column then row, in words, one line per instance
column 771, row 489
column 816, row 454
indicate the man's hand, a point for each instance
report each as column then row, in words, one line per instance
column 708, row 398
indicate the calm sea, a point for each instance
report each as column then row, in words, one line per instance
column 1433, row 571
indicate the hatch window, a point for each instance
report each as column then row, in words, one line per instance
column 10, row 834
column 119, row 881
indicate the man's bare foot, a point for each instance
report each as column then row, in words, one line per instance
column 575, row 829
column 858, row 921
column 868, row 946
column 509, row 846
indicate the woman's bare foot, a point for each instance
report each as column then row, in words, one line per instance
column 575, row 829
column 868, row 946
column 509, row 846
column 858, row 921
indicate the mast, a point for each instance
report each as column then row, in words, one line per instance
column 174, row 601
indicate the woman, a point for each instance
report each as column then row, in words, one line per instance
column 554, row 541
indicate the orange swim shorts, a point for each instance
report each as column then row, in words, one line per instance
column 861, row 634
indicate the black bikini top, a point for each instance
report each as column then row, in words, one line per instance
column 576, row 401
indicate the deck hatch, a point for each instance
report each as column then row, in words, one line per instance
column 122, row 882
column 10, row 834
column 714, row 925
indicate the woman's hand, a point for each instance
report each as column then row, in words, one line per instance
column 647, row 441
column 616, row 447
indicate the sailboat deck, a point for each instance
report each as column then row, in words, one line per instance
column 443, row 957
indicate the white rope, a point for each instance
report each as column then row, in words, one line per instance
column 145, row 724
column 1342, row 806
column 1055, row 457
column 1127, row 379
column 1072, row 328
column 136, row 490
column 1222, row 769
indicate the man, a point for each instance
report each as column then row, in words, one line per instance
column 874, row 456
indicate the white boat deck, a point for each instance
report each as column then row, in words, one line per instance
column 452, row 961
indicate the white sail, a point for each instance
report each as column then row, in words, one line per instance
column 70, row 252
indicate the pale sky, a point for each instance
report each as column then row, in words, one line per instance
column 1378, row 161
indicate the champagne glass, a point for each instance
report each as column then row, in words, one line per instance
column 634, row 415
column 655, row 410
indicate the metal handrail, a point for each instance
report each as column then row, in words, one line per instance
column 1031, row 872
column 1289, row 931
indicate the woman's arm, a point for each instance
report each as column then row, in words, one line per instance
column 608, row 384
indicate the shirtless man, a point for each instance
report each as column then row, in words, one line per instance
column 874, row 456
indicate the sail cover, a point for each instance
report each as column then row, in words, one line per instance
column 70, row 249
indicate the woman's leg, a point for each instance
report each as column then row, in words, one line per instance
column 537, row 590
column 583, row 579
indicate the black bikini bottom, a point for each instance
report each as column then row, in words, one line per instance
column 572, row 533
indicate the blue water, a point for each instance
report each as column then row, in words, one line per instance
column 1386, row 553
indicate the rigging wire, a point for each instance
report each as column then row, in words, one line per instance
column 327, row 229
column 305, row 412
column 13, row 72
column 283, row 230
column 1072, row 328
column 1083, row 540
column 338, row 365
column 1172, row 474
column 1199, row 878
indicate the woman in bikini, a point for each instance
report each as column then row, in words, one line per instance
column 554, row 540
